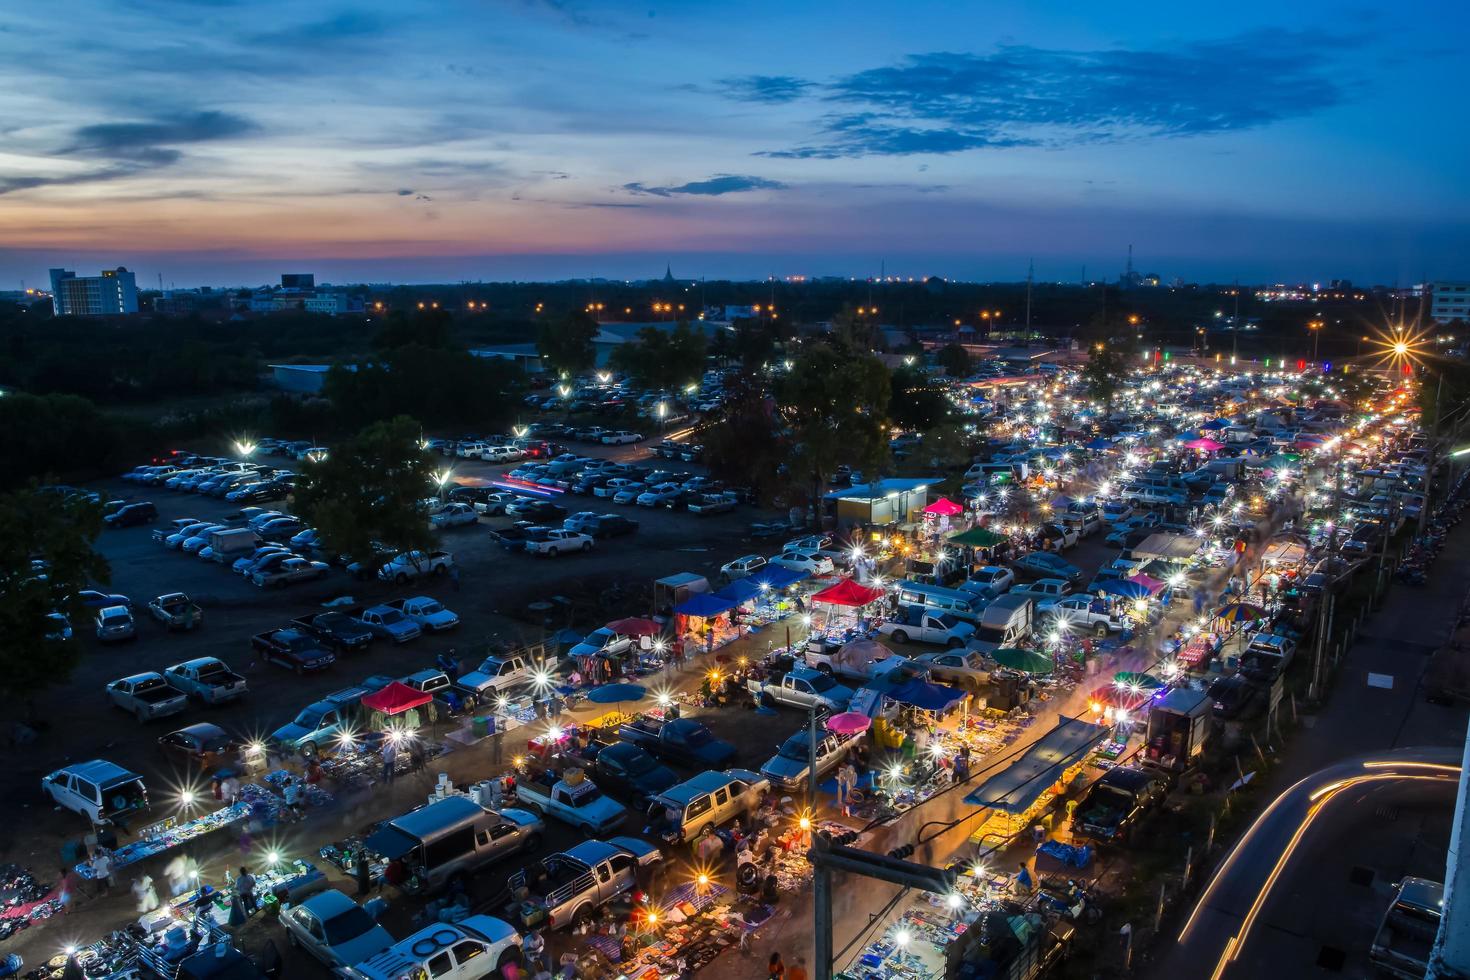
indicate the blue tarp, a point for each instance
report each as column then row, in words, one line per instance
column 1100, row 443
column 927, row 696
column 1123, row 587
column 1022, row 783
column 705, row 604
column 738, row 591
column 776, row 576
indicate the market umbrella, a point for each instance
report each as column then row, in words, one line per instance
column 1026, row 661
column 1239, row 612
column 635, row 626
column 617, row 693
column 1099, row 443
column 1282, row 461
column 1135, row 679
column 1206, row 445
column 849, row 723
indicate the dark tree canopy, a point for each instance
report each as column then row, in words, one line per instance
column 917, row 402
column 441, row 388
column 954, row 359
column 1104, row 372
column 834, row 403
column 565, row 345
column 662, row 358
column 368, row 491
column 61, row 533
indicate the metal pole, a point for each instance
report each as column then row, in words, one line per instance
column 811, row 761
column 822, row 898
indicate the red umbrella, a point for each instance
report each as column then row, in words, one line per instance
column 635, row 626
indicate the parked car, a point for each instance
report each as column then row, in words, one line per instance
column 146, row 696
column 428, row 612
column 335, row 930
column 560, row 541
column 176, row 611
column 113, row 624
column 131, row 515
column 293, row 649
column 1114, row 806
column 1042, row 564
column 390, row 623
column 628, row 769
column 742, row 567
column 811, row 562
column 206, row 679
column 475, row 947
column 454, row 515
column 203, row 747
column 290, row 571
column 100, row 791
column 611, row 526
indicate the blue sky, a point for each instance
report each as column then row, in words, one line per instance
column 220, row 141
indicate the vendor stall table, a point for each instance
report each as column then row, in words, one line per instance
column 167, row 835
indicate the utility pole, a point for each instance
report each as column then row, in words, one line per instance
column 1030, row 271
column 811, row 761
column 1235, row 325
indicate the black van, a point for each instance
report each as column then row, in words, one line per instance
column 132, row 515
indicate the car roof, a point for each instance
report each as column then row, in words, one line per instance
column 437, row 815
column 203, row 729
column 705, row 782
column 430, row 940
column 98, row 771
column 329, row 904
column 1127, row 776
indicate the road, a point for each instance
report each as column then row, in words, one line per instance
column 1368, row 793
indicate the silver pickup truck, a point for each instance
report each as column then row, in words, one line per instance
column 147, row 696
column 206, row 679
column 568, row 887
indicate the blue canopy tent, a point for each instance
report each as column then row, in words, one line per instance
column 1099, row 443
column 1216, row 425
column 738, row 591
column 705, row 604
column 776, row 576
column 922, row 694
column 1123, row 587
column 1021, row 784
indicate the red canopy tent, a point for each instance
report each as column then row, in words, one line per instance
column 395, row 699
column 848, row 593
column 635, row 626
column 944, row 507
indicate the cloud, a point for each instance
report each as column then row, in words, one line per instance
column 345, row 26
column 132, row 148
column 713, row 187
column 1018, row 95
column 768, row 89
column 152, row 141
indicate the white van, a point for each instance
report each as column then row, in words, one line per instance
column 935, row 598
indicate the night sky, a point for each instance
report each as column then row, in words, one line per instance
column 437, row 140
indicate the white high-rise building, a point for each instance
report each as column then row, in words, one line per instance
column 112, row 293
column 1449, row 301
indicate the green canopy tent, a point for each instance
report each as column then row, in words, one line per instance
column 1026, row 661
column 977, row 537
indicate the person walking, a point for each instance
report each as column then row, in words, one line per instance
column 390, row 760
column 144, row 894
column 102, row 870
column 363, row 873
column 775, row 969
column 245, row 892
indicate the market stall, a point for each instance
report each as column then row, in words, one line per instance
column 846, row 611
column 396, row 707
column 169, row 834
column 1025, row 787
column 703, row 622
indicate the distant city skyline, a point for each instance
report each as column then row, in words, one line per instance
column 220, row 143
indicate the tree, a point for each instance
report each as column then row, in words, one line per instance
column 1104, row 372
column 743, row 446
column 61, row 532
column 916, row 402
column 662, row 358
column 42, row 436
column 947, row 447
column 441, row 388
column 834, row 403
column 954, row 359
column 367, row 491
column 566, row 345
column 429, row 327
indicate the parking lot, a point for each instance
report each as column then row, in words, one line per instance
column 493, row 589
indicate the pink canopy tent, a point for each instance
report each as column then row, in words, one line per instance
column 848, row 593
column 1205, row 445
column 395, row 699
column 1153, row 585
column 944, row 507
column 635, row 626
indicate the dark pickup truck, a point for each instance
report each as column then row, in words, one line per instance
column 1116, row 803
column 681, row 740
column 294, row 649
column 514, row 537
column 336, row 630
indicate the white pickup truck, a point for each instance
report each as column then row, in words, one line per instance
column 429, row 613
column 414, row 564
column 914, row 624
column 573, row 801
column 1083, row 612
column 147, row 696
column 571, row 886
column 560, row 541
column 206, row 679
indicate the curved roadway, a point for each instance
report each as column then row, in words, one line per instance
column 1217, row 935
